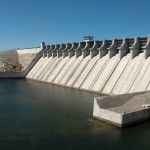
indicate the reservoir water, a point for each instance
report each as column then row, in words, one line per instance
column 40, row 116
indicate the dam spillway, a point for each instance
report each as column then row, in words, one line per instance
column 115, row 67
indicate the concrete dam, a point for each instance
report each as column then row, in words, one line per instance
column 119, row 68
column 114, row 67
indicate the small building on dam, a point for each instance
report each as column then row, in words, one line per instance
column 119, row 68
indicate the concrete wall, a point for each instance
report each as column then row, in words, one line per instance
column 104, row 114
column 115, row 66
column 25, row 56
column 21, row 74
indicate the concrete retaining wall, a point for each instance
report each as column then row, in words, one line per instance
column 122, row 110
column 25, row 56
column 104, row 114
column 22, row 74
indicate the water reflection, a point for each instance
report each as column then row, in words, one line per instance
column 40, row 116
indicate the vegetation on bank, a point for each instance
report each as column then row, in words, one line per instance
column 10, row 65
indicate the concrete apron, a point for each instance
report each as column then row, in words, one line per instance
column 117, row 110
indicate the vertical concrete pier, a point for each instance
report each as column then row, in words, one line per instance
column 45, row 52
column 103, row 49
column 94, row 50
column 59, row 51
column 78, row 51
column 135, row 48
column 54, row 52
column 52, row 47
column 85, row 50
column 123, row 49
column 147, row 48
column 112, row 50
column 65, row 50
column 71, row 51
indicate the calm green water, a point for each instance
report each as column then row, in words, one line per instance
column 40, row 116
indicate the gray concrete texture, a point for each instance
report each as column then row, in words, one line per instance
column 125, row 103
column 122, row 110
column 113, row 67
column 22, row 56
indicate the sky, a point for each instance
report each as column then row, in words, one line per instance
column 26, row 23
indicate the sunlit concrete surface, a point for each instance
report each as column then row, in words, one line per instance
column 123, row 110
